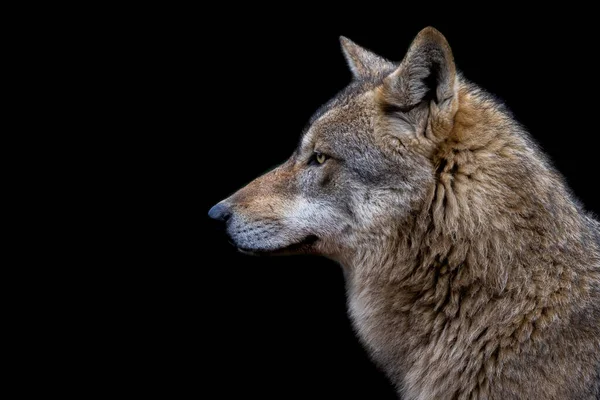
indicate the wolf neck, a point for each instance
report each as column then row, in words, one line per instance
column 493, row 198
column 498, row 224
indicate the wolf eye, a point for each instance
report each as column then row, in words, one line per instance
column 318, row 158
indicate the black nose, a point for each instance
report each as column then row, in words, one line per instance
column 220, row 212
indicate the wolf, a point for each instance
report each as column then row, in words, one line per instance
column 472, row 272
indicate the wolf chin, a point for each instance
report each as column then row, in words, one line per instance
column 471, row 270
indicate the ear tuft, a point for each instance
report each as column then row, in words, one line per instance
column 362, row 62
column 424, row 87
column 426, row 73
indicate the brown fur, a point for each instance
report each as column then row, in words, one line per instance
column 491, row 318
column 471, row 271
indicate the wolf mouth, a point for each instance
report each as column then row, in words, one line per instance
column 300, row 246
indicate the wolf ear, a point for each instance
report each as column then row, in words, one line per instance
column 361, row 61
column 427, row 74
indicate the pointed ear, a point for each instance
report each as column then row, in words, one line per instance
column 426, row 75
column 361, row 61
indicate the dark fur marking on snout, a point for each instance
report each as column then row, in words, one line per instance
column 326, row 180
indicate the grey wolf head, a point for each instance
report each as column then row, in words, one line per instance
column 366, row 162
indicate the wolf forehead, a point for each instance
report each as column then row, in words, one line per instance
column 344, row 115
column 354, row 89
column 360, row 84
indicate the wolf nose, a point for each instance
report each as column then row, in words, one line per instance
column 220, row 212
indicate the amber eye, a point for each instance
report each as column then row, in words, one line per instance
column 320, row 158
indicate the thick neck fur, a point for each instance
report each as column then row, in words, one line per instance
column 496, row 262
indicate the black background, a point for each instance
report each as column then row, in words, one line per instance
column 277, row 328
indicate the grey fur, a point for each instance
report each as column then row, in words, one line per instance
column 471, row 270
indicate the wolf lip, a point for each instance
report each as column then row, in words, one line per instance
column 294, row 247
